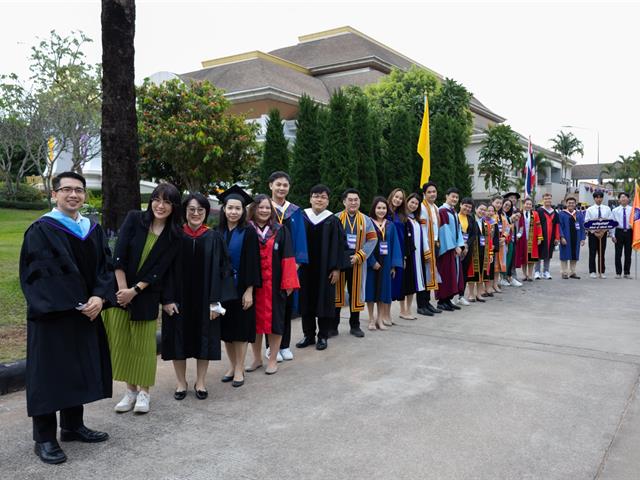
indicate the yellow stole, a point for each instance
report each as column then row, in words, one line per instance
column 356, row 304
column 432, row 284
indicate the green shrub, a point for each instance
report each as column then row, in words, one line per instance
column 23, row 205
column 25, row 193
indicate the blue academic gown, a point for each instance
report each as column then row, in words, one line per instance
column 293, row 220
column 566, row 219
column 379, row 282
column 397, row 285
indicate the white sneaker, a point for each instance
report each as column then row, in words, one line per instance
column 267, row 352
column 602, row 275
column 127, row 402
column 547, row 275
column 455, row 301
column 142, row 403
column 286, row 354
column 593, row 275
column 619, row 276
column 536, row 276
column 515, row 283
column 504, row 283
column 464, row 301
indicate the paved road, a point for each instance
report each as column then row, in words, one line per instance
column 539, row 383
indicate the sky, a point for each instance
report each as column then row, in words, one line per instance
column 542, row 65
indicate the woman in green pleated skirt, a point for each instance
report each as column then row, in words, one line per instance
column 144, row 254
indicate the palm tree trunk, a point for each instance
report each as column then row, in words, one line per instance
column 119, row 132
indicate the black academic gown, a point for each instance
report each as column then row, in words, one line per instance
column 325, row 244
column 238, row 325
column 472, row 232
column 201, row 275
column 68, row 361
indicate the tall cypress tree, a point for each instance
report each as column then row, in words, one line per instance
column 442, row 152
column 306, row 157
column 338, row 169
column 275, row 152
column 362, row 144
column 399, row 168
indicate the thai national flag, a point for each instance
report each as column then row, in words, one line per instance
column 530, row 172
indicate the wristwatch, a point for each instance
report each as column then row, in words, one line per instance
column 137, row 288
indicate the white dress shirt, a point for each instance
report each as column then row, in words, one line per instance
column 595, row 212
column 619, row 213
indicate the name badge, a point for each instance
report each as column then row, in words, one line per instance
column 482, row 240
column 577, row 225
column 500, row 227
column 275, row 246
column 384, row 248
column 519, row 235
column 465, row 237
column 351, row 241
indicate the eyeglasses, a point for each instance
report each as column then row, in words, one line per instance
column 194, row 210
column 68, row 190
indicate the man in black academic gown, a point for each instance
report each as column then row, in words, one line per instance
column 66, row 278
column 325, row 247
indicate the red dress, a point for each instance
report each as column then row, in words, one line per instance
column 278, row 266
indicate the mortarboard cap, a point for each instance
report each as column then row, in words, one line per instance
column 235, row 193
column 515, row 194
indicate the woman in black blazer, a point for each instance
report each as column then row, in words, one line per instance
column 146, row 248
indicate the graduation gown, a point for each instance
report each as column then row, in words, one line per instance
column 238, row 325
column 279, row 273
column 550, row 224
column 527, row 244
column 201, row 275
column 389, row 255
column 469, row 229
column 492, row 246
column 325, row 248
column 479, row 265
column 364, row 241
column 68, row 361
column 431, row 226
column 416, row 249
column 449, row 267
column 503, row 231
column 572, row 230
column 397, row 282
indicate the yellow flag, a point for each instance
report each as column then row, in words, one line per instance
column 423, row 145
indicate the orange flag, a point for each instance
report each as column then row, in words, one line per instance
column 635, row 220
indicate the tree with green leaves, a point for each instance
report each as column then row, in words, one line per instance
column 500, row 154
column 275, row 151
column 399, row 164
column 362, row 145
column 306, row 156
column 567, row 145
column 338, row 168
column 623, row 173
column 188, row 137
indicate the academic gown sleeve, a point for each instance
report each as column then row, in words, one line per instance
column 394, row 246
column 222, row 286
column 299, row 237
column 582, row 235
column 250, row 274
column 338, row 241
column 371, row 238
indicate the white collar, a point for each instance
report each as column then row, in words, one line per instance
column 283, row 207
column 316, row 219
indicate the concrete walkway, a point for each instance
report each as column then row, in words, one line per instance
column 538, row 383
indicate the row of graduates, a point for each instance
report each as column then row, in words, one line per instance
column 234, row 283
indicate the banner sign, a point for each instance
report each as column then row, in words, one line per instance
column 600, row 224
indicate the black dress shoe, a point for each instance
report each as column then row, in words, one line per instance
column 226, row 378
column 333, row 333
column 237, row 383
column 50, row 452
column 321, row 344
column 83, row 434
column 357, row 332
column 180, row 394
column 201, row 394
column 306, row 342
column 454, row 307
column 425, row 311
column 433, row 309
column 444, row 306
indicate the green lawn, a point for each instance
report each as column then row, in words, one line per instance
column 13, row 223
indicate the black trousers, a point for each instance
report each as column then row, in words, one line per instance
column 286, row 336
column 354, row 318
column 45, row 427
column 597, row 246
column 623, row 243
column 423, row 298
column 309, row 326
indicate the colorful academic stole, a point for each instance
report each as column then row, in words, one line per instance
column 432, row 282
column 534, row 226
column 359, row 225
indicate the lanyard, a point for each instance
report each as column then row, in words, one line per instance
column 352, row 225
column 382, row 229
column 279, row 216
